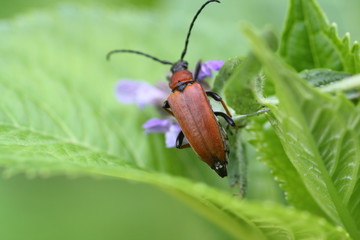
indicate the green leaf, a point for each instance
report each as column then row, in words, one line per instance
column 225, row 73
column 273, row 154
column 62, row 91
column 347, row 84
column 237, row 167
column 322, row 77
column 308, row 41
column 243, row 219
column 316, row 131
column 238, row 90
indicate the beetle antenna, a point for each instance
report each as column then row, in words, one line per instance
column 136, row 52
column 191, row 26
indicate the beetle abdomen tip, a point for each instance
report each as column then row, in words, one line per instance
column 220, row 168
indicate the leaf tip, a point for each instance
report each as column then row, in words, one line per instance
column 356, row 48
column 333, row 31
column 346, row 40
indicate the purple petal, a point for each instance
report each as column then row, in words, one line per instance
column 157, row 125
column 166, row 126
column 171, row 135
column 140, row 93
column 214, row 64
column 207, row 66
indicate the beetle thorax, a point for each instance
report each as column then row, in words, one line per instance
column 180, row 78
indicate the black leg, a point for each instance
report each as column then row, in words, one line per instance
column 226, row 117
column 166, row 107
column 217, row 97
column 214, row 95
column 197, row 70
column 166, row 104
column 179, row 141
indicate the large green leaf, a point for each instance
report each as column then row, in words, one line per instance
column 320, row 136
column 273, row 154
column 309, row 42
column 61, row 90
column 58, row 115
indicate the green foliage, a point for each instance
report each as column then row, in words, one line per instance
column 225, row 72
column 284, row 171
column 322, row 77
column 318, row 138
column 237, row 166
column 308, row 41
column 58, row 115
column 237, row 89
column 10, row 8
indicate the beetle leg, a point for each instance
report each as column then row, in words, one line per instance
column 179, row 141
column 166, row 107
column 226, row 117
column 217, row 97
column 197, row 70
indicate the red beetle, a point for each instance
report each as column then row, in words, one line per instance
column 189, row 104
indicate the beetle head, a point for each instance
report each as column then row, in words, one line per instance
column 180, row 75
column 179, row 65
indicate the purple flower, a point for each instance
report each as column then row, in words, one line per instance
column 142, row 94
column 167, row 126
column 157, row 125
column 207, row 66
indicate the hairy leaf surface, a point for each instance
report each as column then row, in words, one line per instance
column 316, row 130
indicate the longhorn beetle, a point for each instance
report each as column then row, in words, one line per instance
column 189, row 104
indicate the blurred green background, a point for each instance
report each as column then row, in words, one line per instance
column 88, row 208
